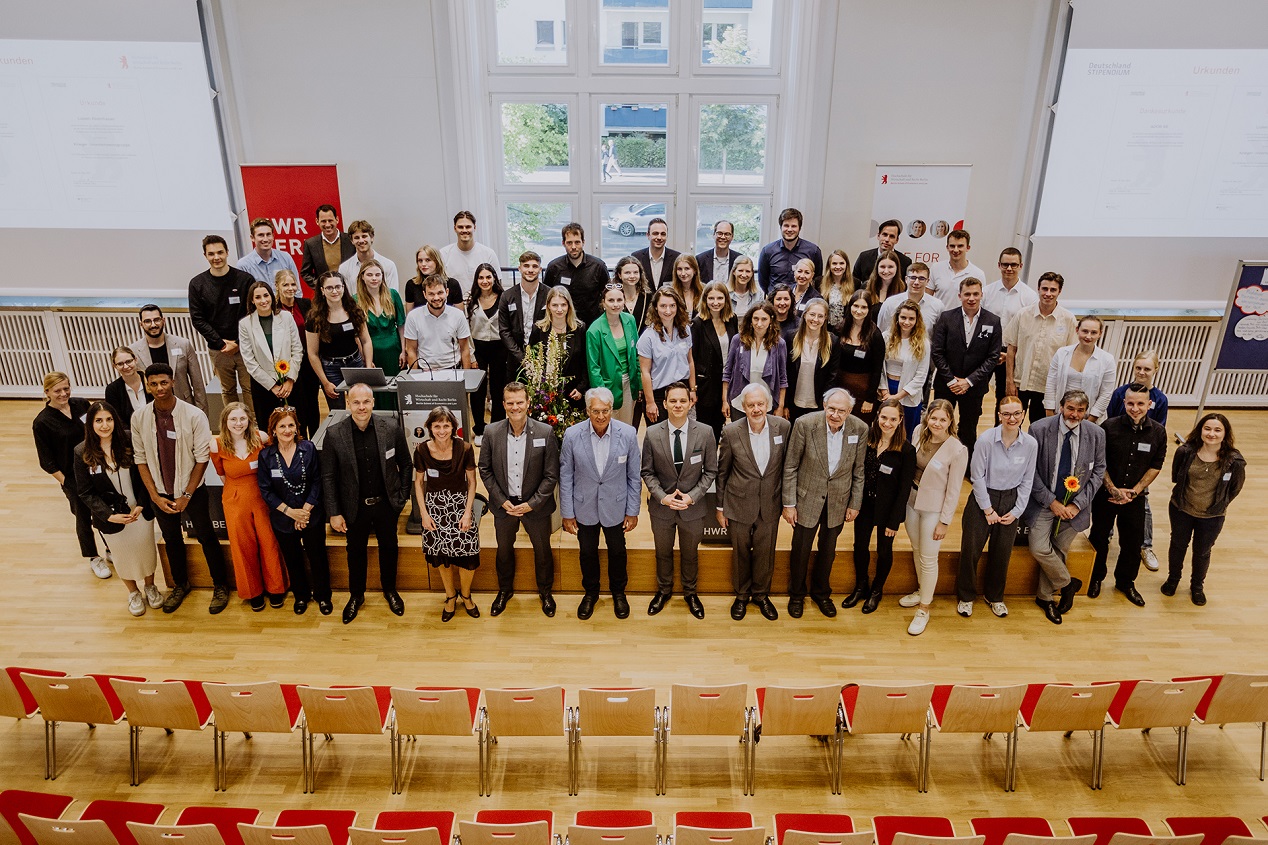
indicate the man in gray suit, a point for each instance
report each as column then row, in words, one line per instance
column 680, row 462
column 750, row 486
column 159, row 347
column 366, row 477
column 598, row 489
column 823, row 489
column 1069, row 446
column 519, row 462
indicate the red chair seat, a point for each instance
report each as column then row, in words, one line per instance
column 613, row 818
column 886, row 826
column 112, row 698
column 1106, row 826
column 293, row 705
column 941, row 695
column 811, row 823
column 45, row 805
column 442, row 820
column 226, row 819
column 713, row 820
column 517, row 817
column 117, row 814
column 1215, row 829
column 28, row 700
column 996, row 829
column 1030, row 700
column 1125, row 690
column 336, row 821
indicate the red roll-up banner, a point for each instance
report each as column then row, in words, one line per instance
column 288, row 194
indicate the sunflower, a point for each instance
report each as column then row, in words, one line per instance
column 283, row 367
column 1072, row 484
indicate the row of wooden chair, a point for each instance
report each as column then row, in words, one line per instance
column 828, row 712
column 36, row 819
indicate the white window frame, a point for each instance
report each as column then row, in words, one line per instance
column 503, row 185
column 777, row 39
column 486, row 21
column 772, row 146
column 673, row 161
column 764, row 203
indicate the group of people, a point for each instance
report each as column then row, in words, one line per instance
column 864, row 383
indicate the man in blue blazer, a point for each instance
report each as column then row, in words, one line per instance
column 599, row 485
column 1069, row 446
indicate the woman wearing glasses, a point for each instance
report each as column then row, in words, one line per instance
column 127, row 392
column 337, row 335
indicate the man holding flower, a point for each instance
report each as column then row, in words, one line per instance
column 1068, row 473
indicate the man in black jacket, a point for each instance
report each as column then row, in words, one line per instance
column 326, row 251
column 583, row 275
column 217, row 301
column 965, row 350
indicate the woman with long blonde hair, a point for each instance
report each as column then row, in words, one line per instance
column 906, row 363
column 812, row 362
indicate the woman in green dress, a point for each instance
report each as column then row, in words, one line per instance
column 385, row 318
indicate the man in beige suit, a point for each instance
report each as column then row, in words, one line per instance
column 749, row 485
column 823, row 489
column 159, row 347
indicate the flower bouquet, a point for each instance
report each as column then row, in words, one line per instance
column 542, row 372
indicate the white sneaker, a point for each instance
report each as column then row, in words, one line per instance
column 918, row 623
column 998, row 608
column 99, row 567
column 153, row 597
column 136, row 603
column 964, row 608
column 910, row 600
column 1149, row 559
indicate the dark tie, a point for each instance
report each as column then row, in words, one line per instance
column 1063, row 465
column 678, row 449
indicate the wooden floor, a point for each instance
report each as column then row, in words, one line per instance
column 61, row 617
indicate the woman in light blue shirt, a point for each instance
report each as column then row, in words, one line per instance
column 664, row 350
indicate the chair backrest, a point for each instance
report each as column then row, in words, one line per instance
column 1029, row 839
column 803, row 837
column 800, row 711
column 1162, row 704
column 719, row 836
column 259, row 834
column 1238, row 698
column 341, row 710
column 432, row 712
column 1134, row 839
column 225, row 819
column 920, row 839
column 170, row 834
column 889, row 708
column 1215, row 830
column 1072, row 708
column 581, row 835
column 58, row 832
column 617, row 712
column 525, row 712
column 249, row 708
column 16, row 701
column 158, row 705
column 422, row 836
column 708, row 710
column 524, row 833
column 70, row 699
column 972, row 709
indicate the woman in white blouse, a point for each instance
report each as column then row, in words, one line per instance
column 1084, row 366
column 266, row 339
column 906, row 363
column 745, row 292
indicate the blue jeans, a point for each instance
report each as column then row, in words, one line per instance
column 333, row 368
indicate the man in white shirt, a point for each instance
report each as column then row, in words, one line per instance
column 1032, row 337
column 461, row 259
column 362, row 234
column 437, row 337
column 930, row 305
column 264, row 261
column 945, row 278
column 1004, row 298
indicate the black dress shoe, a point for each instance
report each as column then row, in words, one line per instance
column 350, row 609
column 394, row 602
column 1198, row 597
column 1050, row 610
column 499, row 603
column 301, row 605
column 586, row 609
column 620, row 606
column 326, row 606
column 657, row 603
column 860, row 593
column 1067, row 595
column 767, row 607
column 548, row 604
column 826, row 606
column 257, row 603
column 694, row 605
column 276, row 601
column 1094, row 590
column 469, row 606
column 739, row 607
column 795, row 607
column 873, row 602
column 1132, row 594
column 1168, row 587
column 446, row 615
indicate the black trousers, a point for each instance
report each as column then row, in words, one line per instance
column 83, row 521
column 381, row 520
column 265, row 402
column 200, row 517
column 753, row 556
column 537, row 525
column 1131, row 537
column 1202, row 532
column 970, row 405
column 1032, row 403
column 799, row 560
column 310, row 543
column 1001, row 386
column 304, row 399
column 976, row 533
column 490, row 356
column 864, row 524
column 588, row 540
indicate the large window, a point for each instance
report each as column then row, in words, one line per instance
column 531, row 32
column 535, row 143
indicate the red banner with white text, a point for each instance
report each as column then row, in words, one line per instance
column 288, row 194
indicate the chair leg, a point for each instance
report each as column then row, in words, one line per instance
column 1182, row 756
column 392, row 751
column 1010, row 778
column 1263, row 747
column 1098, row 758
column 133, row 732
column 50, row 750
column 923, row 778
column 840, row 749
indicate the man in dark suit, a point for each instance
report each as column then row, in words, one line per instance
column 519, row 307
column 749, row 488
column 519, row 462
column 657, row 260
column 680, row 462
column 1069, row 446
column 823, row 490
column 965, row 350
column 887, row 240
column 366, row 476
column 321, row 250
column 712, row 261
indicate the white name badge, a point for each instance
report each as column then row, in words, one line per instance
column 860, row 353
column 171, row 435
column 234, row 300
column 566, row 281
column 1151, row 404
column 83, row 418
column 95, row 470
column 1020, row 459
column 177, row 352
column 347, row 327
column 886, row 469
column 852, row 438
column 1228, row 476
column 277, row 473
column 389, row 454
column 511, row 306
column 254, row 465
column 620, row 459
column 1144, row 447
column 433, row 473
column 539, row 442
column 935, row 464
column 779, row 438
column 695, row 459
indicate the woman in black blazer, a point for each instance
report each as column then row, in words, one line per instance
column 127, row 393
column 712, row 332
column 109, row 484
column 889, row 470
column 561, row 319
column 812, row 336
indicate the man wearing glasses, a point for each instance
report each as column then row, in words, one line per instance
column 159, row 347
column 716, row 263
column 1004, row 298
column 917, row 281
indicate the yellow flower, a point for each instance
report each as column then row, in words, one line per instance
column 1072, row 484
column 283, row 367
